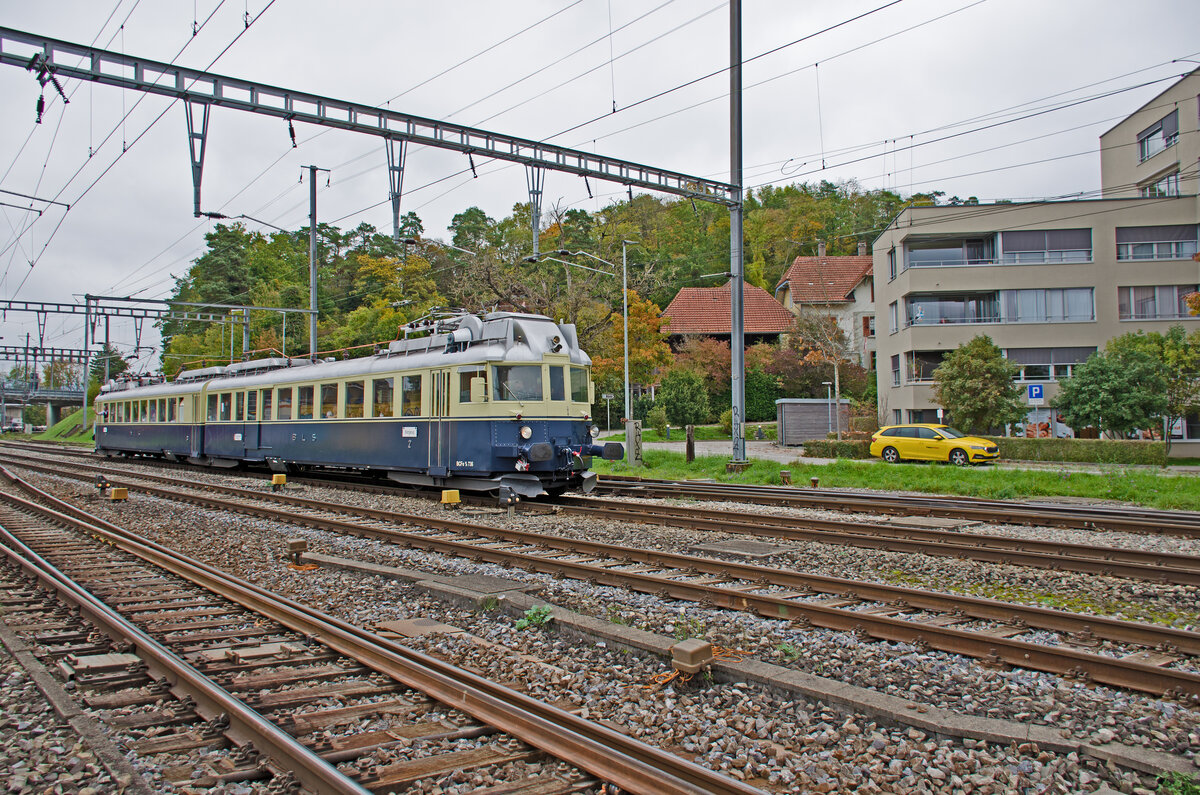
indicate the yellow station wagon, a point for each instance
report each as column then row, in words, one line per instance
column 925, row 442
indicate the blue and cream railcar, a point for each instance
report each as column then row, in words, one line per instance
column 478, row 404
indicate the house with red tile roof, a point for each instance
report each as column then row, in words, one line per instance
column 842, row 287
column 706, row 311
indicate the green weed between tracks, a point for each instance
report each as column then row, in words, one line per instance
column 1145, row 487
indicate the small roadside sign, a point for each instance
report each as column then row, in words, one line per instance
column 1034, row 394
column 607, row 396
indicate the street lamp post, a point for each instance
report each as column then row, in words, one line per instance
column 828, row 402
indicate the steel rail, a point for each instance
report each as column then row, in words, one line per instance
column 1055, row 620
column 1149, row 521
column 1080, row 517
column 1099, row 668
column 1110, row 561
column 609, row 755
column 282, row 752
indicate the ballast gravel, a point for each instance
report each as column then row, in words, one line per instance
column 787, row 743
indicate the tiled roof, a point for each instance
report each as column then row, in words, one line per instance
column 705, row 310
column 823, row 280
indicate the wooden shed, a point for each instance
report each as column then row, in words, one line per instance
column 803, row 419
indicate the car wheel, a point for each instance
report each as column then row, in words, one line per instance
column 891, row 455
column 959, row 458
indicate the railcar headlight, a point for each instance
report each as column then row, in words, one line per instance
column 594, row 431
column 526, row 432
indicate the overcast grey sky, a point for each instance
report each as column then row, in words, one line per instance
column 877, row 107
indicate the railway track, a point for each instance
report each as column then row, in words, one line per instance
column 1090, row 559
column 1088, row 517
column 1137, row 520
column 1132, row 655
column 248, row 668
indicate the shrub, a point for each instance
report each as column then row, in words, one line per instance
column 1096, row 451
column 657, row 419
column 761, row 392
column 682, row 393
column 727, row 421
column 832, row 448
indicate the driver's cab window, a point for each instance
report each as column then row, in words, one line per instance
column 517, row 382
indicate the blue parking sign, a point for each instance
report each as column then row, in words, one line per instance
column 1034, row 394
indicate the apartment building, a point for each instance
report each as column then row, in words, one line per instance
column 1049, row 282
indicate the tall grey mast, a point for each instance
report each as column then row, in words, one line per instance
column 737, row 344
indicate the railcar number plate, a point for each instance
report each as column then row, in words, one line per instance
column 408, row 432
column 464, row 463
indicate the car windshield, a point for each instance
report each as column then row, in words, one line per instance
column 951, row 433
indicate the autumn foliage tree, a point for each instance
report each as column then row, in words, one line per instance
column 648, row 350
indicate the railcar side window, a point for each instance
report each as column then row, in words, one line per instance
column 410, row 396
column 212, row 408
column 266, row 405
column 466, row 379
column 329, row 395
column 558, row 390
column 304, row 403
column 170, row 409
column 284, row 404
column 225, row 407
column 239, row 407
column 354, row 399
column 162, row 410
column 381, row 397
column 517, row 382
column 579, row 392
column 252, row 405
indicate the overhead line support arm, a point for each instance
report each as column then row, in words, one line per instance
column 195, row 86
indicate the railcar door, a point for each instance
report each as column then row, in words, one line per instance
column 439, row 424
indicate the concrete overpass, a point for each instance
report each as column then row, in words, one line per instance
column 16, row 395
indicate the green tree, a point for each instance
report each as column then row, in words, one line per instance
column 109, row 356
column 1179, row 354
column 975, row 385
column 60, row 374
column 34, row 414
column 682, row 394
column 1115, row 392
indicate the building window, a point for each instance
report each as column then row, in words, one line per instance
column 1158, row 136
column 894, row 316
column 1025, row 247
column 891, row 263
column 1046, row 364
column 1055, row 305
column 1156, row 242
column 896, row 370
column 921, row 364
column 1165, row 186
column 1162, row 302
column 950, row 252
column 932, row 309
column 868, row 322
column 871, row 360
column 896, row 417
